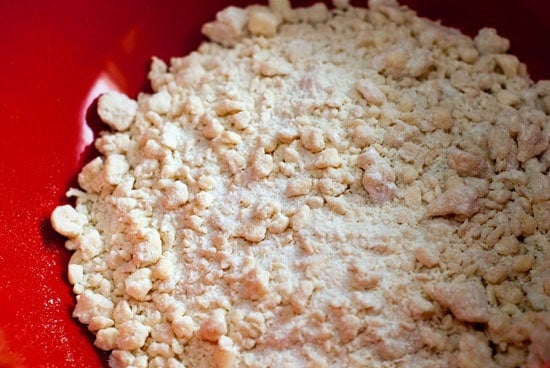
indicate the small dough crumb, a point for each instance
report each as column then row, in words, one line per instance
column 117, row 110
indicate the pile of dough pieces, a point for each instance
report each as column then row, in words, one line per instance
column 315, row 187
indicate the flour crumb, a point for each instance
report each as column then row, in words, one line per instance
column 319, row 187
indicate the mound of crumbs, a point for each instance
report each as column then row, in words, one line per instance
column 320, row 187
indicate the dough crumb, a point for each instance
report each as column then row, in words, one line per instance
column 319, row 187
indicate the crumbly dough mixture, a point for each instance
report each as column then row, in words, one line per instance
column 320, row 188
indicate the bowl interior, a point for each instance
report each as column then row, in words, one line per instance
column 58, row 57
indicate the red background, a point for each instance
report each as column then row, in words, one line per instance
column 55, row 54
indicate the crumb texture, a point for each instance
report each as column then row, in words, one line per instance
column 315, row 187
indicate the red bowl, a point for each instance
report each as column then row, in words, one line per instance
column 58, row 57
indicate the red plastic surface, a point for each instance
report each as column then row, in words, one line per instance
column 56, row 58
